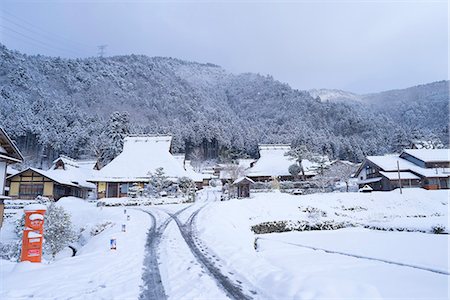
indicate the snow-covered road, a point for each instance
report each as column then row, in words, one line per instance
column 175, row 254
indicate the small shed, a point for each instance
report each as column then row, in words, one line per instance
column 242, row 185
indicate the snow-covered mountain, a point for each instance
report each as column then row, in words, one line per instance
column 422, row 107
column 52, row 106
column 334, row 95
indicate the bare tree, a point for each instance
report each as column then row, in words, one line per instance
column 234, row 171
column 341, row 171
column 196, row 159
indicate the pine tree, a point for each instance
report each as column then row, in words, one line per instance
column 158, row 182
column 117, row 129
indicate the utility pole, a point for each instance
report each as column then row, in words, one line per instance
column 399, row 179
column 102, row 50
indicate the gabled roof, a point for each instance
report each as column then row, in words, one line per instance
column 274, row 162
column 388, row 163
column 62, row 177
column 430, row 155
column 141, row 155
column 77, row 163
column 74, row 171
column 243, row 179
column 403, row 175
column 8, row 150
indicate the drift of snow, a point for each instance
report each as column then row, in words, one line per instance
column 96, row 272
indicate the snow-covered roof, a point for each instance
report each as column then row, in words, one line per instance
column 191, row 173
column 403, row 175
column 389, row 163
column 11, row 171
column 141, row 155
column 274, row 162
column 430, row 155
column 71, row 178
column 78, row 163
column 8, row 150
column 245, row 162
column 242, row 179
column 369, row 180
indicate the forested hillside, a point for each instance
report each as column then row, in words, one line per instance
column 423, row 107
column 53, row 105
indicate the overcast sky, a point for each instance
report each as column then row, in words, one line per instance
column 360, row 46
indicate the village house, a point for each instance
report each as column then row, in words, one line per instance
column 201, row 179
column 227, row 173
column 9, row 154
column 273, row 162
column 426, row 168
column 141, row 155
column 66, row 177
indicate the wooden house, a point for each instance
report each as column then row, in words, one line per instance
column 9, row 154
column 66, row 177
column 140, row 156
column 242, row 186
column 426, row 168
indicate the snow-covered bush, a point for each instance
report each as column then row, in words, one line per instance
column 186, row 185
column 294, row 170
column 314, row 213
column 214, row 183
column 58, row 230
column 19, row 226
column 135, row 191
column 11, row 251
column 42, row 200
column 438, row 229
column 158, row 183
column 100, row 227
column 261, row 186
column 285, row 226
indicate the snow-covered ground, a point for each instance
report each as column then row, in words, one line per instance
column 96, row 272
column 207, row 250
column 353, row 262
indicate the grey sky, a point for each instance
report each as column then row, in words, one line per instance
column 360, row 46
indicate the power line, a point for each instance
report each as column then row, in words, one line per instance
column 28, row 41
column 36, row 40
column 45, row 32
column 49, row 38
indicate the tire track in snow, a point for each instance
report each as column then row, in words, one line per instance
column 153, row 289
column 232, row 289
column 433, row 270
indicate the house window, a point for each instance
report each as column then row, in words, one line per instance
column 370, row 170
column 31, row 190
column 124, row 188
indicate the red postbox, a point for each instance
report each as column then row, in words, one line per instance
column 33, row 233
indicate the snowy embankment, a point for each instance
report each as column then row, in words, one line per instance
column 96, row 272
column 347, row 263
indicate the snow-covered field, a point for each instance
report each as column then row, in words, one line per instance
column 96, row 272
column 347, row 263
column 208, row 250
